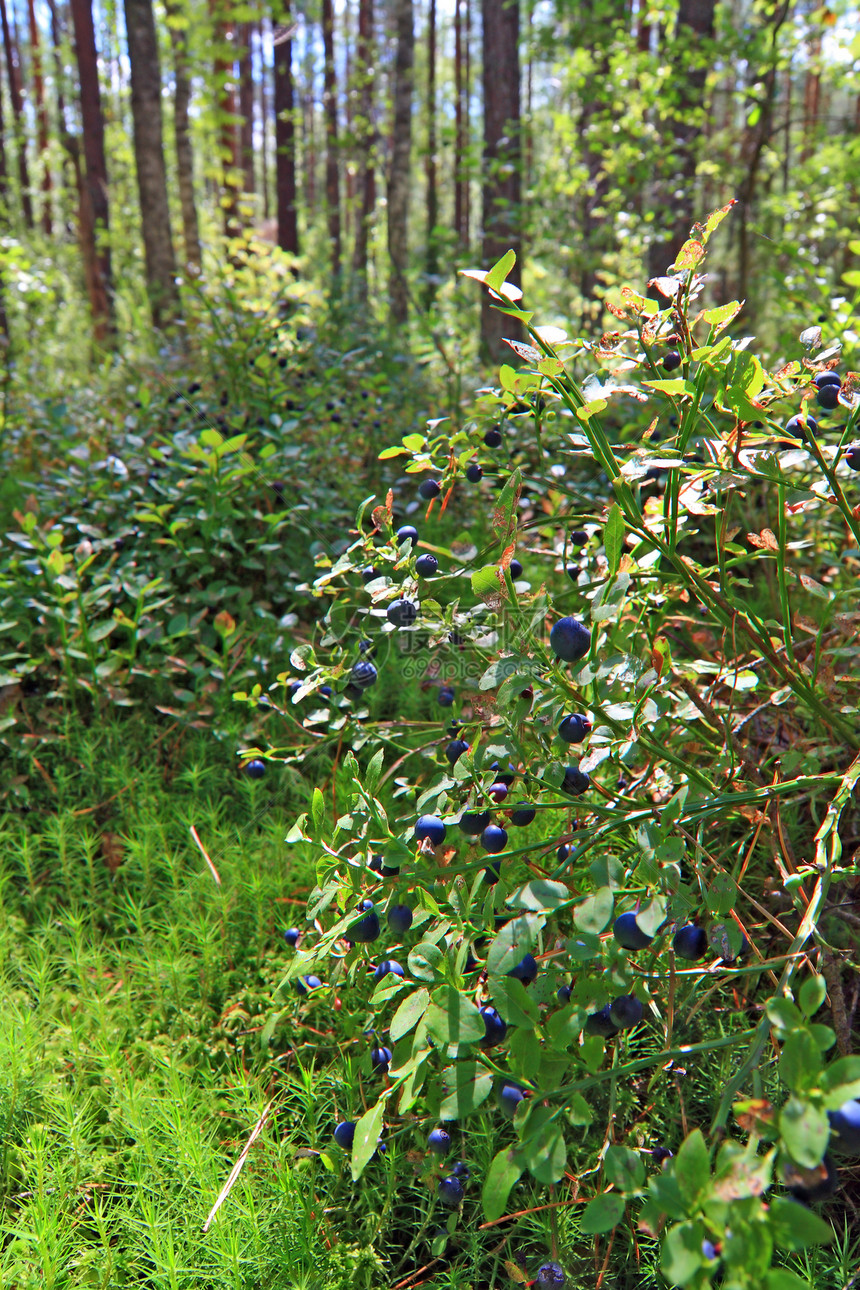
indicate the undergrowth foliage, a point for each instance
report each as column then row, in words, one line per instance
column 617, row 853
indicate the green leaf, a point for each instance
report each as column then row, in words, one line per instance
column 540, row 894
column 472, row 1085
column 613, row 538
column 782, row 1279
column 501, row 1176
column 602, row 1214
column 595, row 911
column 800, row 1061
column 543, row 1149
column 485, row 581
column 812, row 994
column 804, row 1129
column 500, row 270
column 424, row 961
column 453, row 1019
column 795, row 1227
column 374, row 770
column 514, row 1003
column 317, row 810
column 721, row 894
column 782, row 1014
column 682, row 1256
column 578, row 1110
column 367, row 1133
column 624, row 1168
column 517, row 938
column 692, row 1170
column 409, row 1013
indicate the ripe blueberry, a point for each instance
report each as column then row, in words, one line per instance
column 493, row 873
column 380, row 1059
column 365, row 929
column 494, row 839
column 255, row 769
column 406, row 532
column 291, row 936
column 827, row 378
column 579, row 537
column 363, row 674
column 563, row 994
column 601, row 1023
column 845, row 1127
column 385, row 968
column 495, row 1028
column 628, row 933
column 369, row 573
column 472, row 823
column 626, row 1011
column 492, row 438
column 570, row 640
column 399, row 918
column 430, row 827
column 455, row 750
column 429, row 488
column 550, row 1277
column 474, row 473
column 575, row 781
column 461, row 1170
column 509, row 1099
column 426, row 566
column 516, row 569
column 574, row 728
column 402, row 612
column 852, row 456
column 523, row 814
column 344, row 1134
column 308, row 983
column 672, row 361
column 439, row 1142
column 801, row 426
column 445, row 697
column 451, row 1192
column 690, row 942
column 526, row 970
column 828, row 397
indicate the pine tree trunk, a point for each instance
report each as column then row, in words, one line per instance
column 398, row 176
column 690, row 54
column 42, row 127
column 364, row 131
column 94, row 200
column 246, row 108
column 228, row 144
column 263, row 110
column 285, row 135
column 182, row 134
column 332, row 169
column 17, row 101
column 432, row 260
column 149, row 158
column 502, row 199
column 461, row 232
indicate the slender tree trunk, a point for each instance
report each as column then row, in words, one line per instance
column 432, row 259
column 263, row 110
column 285, row 133
column 17, row 101
column 332, row 170
column 226, row 106
column 177, row 25
column 401, row 148
column 309, row 138
column 4, row 225
column 364, row 128
column 690, row 55
column 94, row 203
column 502, row 205
column 461, row 232
column 348, row 99
column 467, row 128
column 149, row 158
column 42, row 127
column 246, row 108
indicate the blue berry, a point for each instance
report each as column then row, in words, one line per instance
column 492, row 438
column 455, row 750
column 291, row 936
column 308, row 983
column 845, row 1127
column 400, row 918
column 255, row 769
column 626, row 1011
column 516, row 569
column 570, row 640
column 473, row 823
column 526, row 970
column 461, row 1170
column 601, row 1023
column 387, row 967
column 429, row 488
column 628, row 933
column 495, row 1028
column 406, row 533
column 801, row 426
column 402, row 612
column 426, row 565
column 380, row 1060
column 474, row 473
column 522, row 814
column 574, row 728
column 369, row 573
column 451, row 1192
column 690, row 942
column 509, row 1099
column 575, row 781
column 563, row 994
column 445, row 697
column 550, row 1277
column 363, row 674
column 344, row 1134
column 366, row 928
column 494, row 839
column 431, row 828
column 439, row 1142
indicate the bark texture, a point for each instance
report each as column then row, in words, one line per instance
column 401, row 148
column 364, row 134
column 182, row 135
column 285, row 136
column 149, row 159
column 17, row 102
column 332, row 167
column 502, row 181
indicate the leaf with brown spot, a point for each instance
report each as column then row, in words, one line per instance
column 764, row 540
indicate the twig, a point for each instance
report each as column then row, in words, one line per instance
column 237, row 1168
column 212, row 868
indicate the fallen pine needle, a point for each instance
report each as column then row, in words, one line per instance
column 237, row 1168
column 212, row 868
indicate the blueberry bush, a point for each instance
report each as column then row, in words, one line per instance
column 599, row 850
